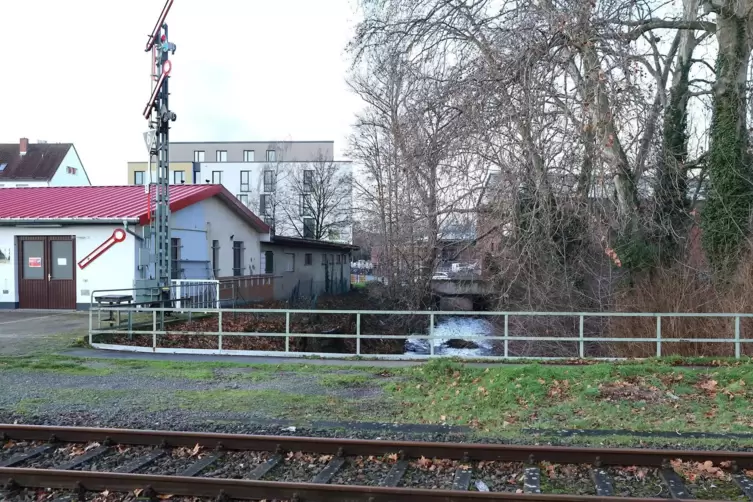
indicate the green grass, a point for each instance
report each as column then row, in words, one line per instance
column 495, row 400
column 599, row 396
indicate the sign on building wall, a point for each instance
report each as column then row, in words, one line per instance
column 35, row 262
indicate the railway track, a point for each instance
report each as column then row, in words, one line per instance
column 244, row 467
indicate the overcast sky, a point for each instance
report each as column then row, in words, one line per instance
column 76, row 71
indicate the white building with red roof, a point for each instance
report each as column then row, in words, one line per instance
column 52, row 241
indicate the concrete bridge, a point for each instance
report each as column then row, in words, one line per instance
column 458, row 293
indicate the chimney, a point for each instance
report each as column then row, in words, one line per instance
column 23, row 146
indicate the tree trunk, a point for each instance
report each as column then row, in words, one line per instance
column 725, row 218
column 671, row 189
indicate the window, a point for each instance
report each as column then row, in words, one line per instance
column 248, row 155
column 216, row 258
column 271, row 156
column 3, row 165
column 237, row 258
column 324, row 259
column 269, row 262
column 217, row 177
column 308, row 180
column 306, row 209
column 337, row 257
column 179, row 177
column 221, row 156
column 269, row 181
column 289, row 262
column 245, row 176
column 308, row 259
column 138, row 177
column 243, row 197
column 308, row 228
column 264, row 205
column 71, row 170
column 175, row 270
column 198, row 155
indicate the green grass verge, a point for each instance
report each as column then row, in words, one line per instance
column 498, row 401
column 600, row 396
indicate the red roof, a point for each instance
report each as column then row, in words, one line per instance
column 109, row 203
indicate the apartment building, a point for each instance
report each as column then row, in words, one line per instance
column 294, row 186
column 309, row 200
column 183, row 156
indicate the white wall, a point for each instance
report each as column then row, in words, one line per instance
column 13, row 183
column 222, row 224
column 112, row 270
column 64, row 179
column 231, row 179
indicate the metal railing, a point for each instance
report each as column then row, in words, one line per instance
column 505, row 341
column 196, row 293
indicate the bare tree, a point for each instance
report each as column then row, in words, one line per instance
column 316, row 201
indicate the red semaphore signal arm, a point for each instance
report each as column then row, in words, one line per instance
column 157, row 27
column 118, row 235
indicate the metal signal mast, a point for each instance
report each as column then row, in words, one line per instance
column 159, row 115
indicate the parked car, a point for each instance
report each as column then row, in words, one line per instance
column 440, row 276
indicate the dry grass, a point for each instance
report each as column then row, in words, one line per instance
column 684, row 290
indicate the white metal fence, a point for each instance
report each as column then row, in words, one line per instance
column 733, row 338
column 196, row 293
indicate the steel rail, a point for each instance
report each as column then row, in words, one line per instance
column 349, row 447
column 259, row 490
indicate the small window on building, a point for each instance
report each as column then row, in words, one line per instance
column 243, row 197
column 308, row 228
column 138, row 177
column 71, row 170
column 264, row 205
column 179, row 177
column 306, row 205
column 269, row 181
column 337, row 258
column 238, row 258
column 198, row 155
column 271, row 155
column 221, row 156
column 308, row 181
column 245, row 185
column 289, row 262
column 324, row 258
column 3, row 165
column 217, row 177
column 216, row 258
column 248, row 155
column 269, row 262
column 175, row 270
column 308, row 259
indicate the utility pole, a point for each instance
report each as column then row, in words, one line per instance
column 157, row 112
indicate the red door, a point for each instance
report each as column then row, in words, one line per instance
column 47, row 272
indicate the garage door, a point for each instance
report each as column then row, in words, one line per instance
column 47, row 272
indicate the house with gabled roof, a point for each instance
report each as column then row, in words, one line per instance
column 25, row 164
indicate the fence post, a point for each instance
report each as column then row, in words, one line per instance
column 154, row 330
column 91, row 323
column 507, row 336
column 217, row 294
column 737, row 337
column 581, row 343
column 658, row 335
column 219, row 329
column 287, row 331
column 358, row 334
column 431, row 334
